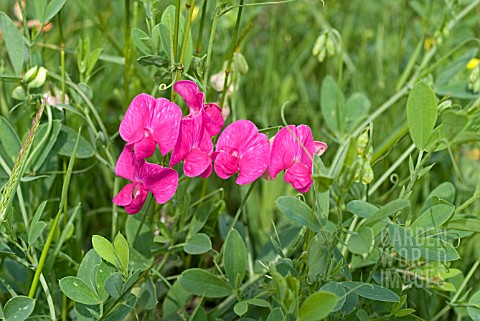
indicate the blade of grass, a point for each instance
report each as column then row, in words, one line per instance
column 46, row 247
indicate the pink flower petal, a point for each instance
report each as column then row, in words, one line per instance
column 320, row 148
column 165, row 124
column 299, row 176
column 126, row 164
column 192, row 135
column 162, row 182
column 196, row 163
column 124, row 197
column 255, row 156
column 283, row 151
column 236, row 134
column 305, row 144
column 145, row 147
column 136, row 117
column 213, row 119
column 139, row 197
column 185, row 140
column 189, row 91
column 226, row 165
column 207, row 172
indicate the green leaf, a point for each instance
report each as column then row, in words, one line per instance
column 198, row 244
column 199, row 219
column 337, row 289
column 234, row 257
column 356, row 109
column 103, row 272
column 410, row 247
column 53, row 8
column 18, row 308
column 148, row 295
column 318, row 306
column 78, row 291
column 298, row 212
column 114, row 285
column 13, row 41
column 433, row 217
column 387, row 210
column 142, row 41
column 105, row 249
column 40, row 6
column 470, row 225
column 332, row 109
column 421, row 113
column 453, row 123
column 124, row 307
column 240, row 308
column 36, row 226
column 258, row 302
column 9, row 139
column 121, row 248
column 90, row 260
column 160, row 62
column 372, row 291
column 276, row 315
column 318, row 258
column 203, row 283
column 361, row 208
column 66, row 142
column 445, row 191
column 474, row 308
column 361, row 242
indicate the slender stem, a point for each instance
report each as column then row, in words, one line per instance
column 185, row 38
column 202, row 24
column 177, row 29
column 209, row 49
column 458, row 292
column 230, row 55
column 467, row 202
column 43, row 257
column 127, row 52
column 391, row 169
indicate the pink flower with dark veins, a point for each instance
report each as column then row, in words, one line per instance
column 241, row 149
column 293, row 149
column 211, row 113
column 145, row 177
column 149, row 122
column 194, row 147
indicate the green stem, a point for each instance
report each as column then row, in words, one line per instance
column 202, row 24
column 176, row 30
column 467, row 203
column 127, row 52
column 46, row 247
column 185, row 38
column 459, row 291
column 230, row 54
column 391, row 169
column 210, row 47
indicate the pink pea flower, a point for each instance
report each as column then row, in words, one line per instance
column 293, row 149
column 149, row 122
column 241, row 149
column 211, row 113
column 194, row 146
column 145, row 177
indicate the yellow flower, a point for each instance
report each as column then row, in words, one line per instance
column 473, row 63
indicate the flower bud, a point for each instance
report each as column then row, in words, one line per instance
column 35, row 77
column 362, row 142
column 319, row 44
column 368, row 175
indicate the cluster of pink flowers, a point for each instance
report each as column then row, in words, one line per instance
column 240, row 148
